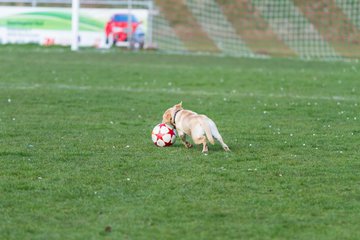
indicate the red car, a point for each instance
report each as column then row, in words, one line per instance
column 116, row 29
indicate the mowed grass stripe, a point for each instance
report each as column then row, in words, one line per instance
column 172, row 91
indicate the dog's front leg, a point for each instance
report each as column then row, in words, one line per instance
column 183, row 139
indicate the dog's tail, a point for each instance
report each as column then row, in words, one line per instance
column 207, row 130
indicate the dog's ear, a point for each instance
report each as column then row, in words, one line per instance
column 179, row 105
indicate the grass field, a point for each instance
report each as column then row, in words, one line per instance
column 77, row 161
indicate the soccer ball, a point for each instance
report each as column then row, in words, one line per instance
column 163, row 135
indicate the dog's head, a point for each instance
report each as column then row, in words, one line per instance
column 169, row 114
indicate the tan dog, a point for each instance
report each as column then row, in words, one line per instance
column 199, row 127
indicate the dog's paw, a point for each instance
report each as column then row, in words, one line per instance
column 188, row 145
column 227, row 149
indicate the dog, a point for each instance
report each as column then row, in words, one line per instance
column 200, row 127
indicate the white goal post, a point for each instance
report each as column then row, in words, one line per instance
column 75, row 25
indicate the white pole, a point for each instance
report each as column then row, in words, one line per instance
column 75, row 25
column 149, row 32
column 129, row 33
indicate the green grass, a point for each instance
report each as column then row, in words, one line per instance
column 77, row 161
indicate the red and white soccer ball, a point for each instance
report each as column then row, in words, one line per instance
column 163, row 135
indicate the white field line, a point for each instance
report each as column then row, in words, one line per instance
column 169, row 90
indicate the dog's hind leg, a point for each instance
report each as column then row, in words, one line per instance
column 201, row 140
column 225, row 147
column 198, row 136
column 217, row 136
column 221, row 141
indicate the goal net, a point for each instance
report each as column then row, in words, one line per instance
column 258, row 28
column 309, row 29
